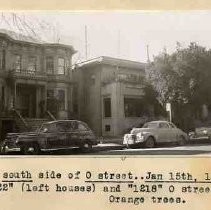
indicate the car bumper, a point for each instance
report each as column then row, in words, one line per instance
column 130, row 139
column 6, row 149
column 9, row 146
column 195, row 138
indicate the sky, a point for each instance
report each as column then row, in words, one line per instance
column 122, row 34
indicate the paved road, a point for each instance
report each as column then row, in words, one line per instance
column 196, row 148
column 74, row 151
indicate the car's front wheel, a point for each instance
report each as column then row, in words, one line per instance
column 30, row 149
column 150, row 142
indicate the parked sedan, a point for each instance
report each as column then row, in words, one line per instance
column 52, row 135
column 153, row 133
column 202, row 133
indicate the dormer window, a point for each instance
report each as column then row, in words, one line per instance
column 61, row 66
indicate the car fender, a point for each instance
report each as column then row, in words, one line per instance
column 29, row 140
column 182, row 134
column 149, row 134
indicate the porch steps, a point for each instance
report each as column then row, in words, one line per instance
column 20, row 126
column 35, row 123
column 29, row 124
column 32, row 124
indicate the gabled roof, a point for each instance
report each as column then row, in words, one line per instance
column 113, row 62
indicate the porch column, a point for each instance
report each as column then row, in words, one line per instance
column 45, row 98
column 41, row 94
column 37, row 101
column 71, row 99
column 14, row 96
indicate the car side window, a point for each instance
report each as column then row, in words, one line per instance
column 71, row 126
column 61, row 127
column 49, row 128
column 75, row 125
column 171, row 125
column 82, row 127
column 163, row 125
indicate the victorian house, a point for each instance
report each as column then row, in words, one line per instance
column 35, row 81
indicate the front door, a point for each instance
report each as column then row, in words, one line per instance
column 26, row 100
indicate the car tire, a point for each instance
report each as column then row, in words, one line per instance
column 30, row 149
column 150, row 142
column 86, row 147
column 181, row 141
column 2, row 149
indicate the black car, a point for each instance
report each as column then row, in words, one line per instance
column 52, row 135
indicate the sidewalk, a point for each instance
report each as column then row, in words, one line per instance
column 111, row 140
column 110, row 143
column 108, row 146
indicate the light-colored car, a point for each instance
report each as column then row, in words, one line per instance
column 155, row 132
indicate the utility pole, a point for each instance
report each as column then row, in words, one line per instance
column 148, row 60
column 169, row 110
column 118, row 46
column 86, row 45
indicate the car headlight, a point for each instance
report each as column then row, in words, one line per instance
column 17, row 140
column 125, row 139
column 140, row 137
column 204, row 131
column 191, row 134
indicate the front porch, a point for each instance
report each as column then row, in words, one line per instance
column 30, row 100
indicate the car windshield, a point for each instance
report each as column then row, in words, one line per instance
column 150, row 125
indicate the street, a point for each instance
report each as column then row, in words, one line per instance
column 193, row 148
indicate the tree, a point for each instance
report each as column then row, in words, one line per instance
column 150, row 100
column 29, row 27
column 183, row 79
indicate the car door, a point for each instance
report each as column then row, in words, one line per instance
column 173, row 132
column 50, row 134
column 72, row 134
column 62, row 138
column 163, row 132
column 83, row 133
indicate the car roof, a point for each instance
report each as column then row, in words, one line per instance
column 159, row 121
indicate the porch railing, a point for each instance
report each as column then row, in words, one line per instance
column 28, row 72
column 39, row 74
column 50, row 115
column 127, row 78
column 21, row 118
